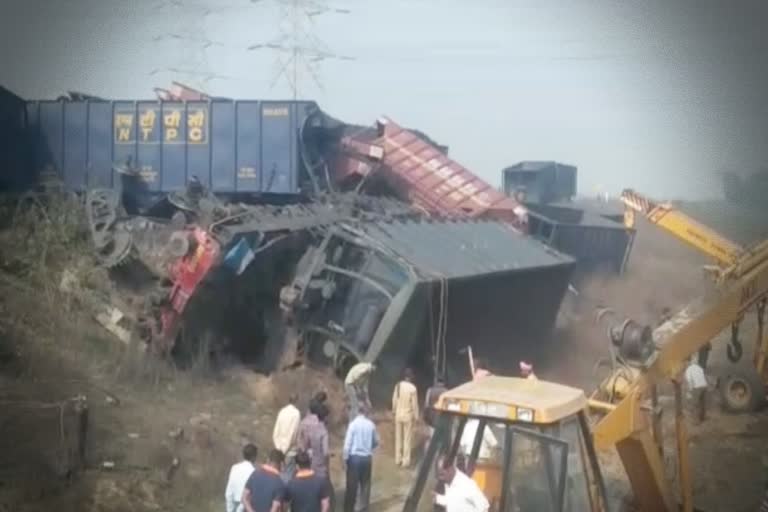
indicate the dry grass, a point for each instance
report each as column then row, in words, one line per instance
column 57, row 350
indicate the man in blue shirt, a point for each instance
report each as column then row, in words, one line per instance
column 265, row 490
column 359, row 444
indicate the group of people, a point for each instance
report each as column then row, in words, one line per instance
column 405, row 406
column 256, row 487
column 296, row 472
column 362, row 439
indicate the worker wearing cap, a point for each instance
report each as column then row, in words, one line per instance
column 526, row 371
column 356, row 387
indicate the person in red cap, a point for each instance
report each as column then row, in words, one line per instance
column 526, row 370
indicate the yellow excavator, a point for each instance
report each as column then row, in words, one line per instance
column 543, row 456
column 742, row 385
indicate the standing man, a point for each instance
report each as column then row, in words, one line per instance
column 320, row 397
column 481, row 369
column 265, row 490
column 359, row 444
column 238, row 476
column 461, row 493
column 704, row 355
column 430, row 399
column 405, row 407
column 307, row 491
column 313, row 440
column 313, row 436
column 285, row 431
column 526, row 371
column 696, row 383
column 356, row 387
column 488, row 444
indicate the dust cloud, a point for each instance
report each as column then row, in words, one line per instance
column 662, row 273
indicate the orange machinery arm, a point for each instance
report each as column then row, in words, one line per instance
column 628, row 426
column 724, row 251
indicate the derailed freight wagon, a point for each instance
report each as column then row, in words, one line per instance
column 231, row 147
column 597, row 240
column 499, row 289
column 598, row 243
column 540, row 182
column 419, row 292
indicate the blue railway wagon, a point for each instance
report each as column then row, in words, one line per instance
column 245, row 146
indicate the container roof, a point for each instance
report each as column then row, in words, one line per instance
column 463, row 248
column 560, row 212
column 535, row 166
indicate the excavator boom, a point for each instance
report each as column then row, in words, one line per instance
column 687, row 229
column 631, row 425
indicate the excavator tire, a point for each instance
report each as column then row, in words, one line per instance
column 742, row 390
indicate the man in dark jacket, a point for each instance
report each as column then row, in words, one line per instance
column 307, row 491
column 265, row 490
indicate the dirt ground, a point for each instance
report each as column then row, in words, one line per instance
column 146, row 418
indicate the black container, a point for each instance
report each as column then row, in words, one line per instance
column 540, row 182
column 598, row 242
column 15, row 161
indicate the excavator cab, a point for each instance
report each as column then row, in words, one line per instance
column 525, row 442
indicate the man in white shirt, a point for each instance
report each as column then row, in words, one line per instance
column 238, row 476
column 526, row 371
column 461, row 493
column 287, row 426
column 285, row 432
column 487, row 445
column 356, row 387
column 696, row 383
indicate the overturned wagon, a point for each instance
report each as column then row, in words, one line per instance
column 588, row 231
column 220, row 198
column 417, row 292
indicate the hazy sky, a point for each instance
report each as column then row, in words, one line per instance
column 659, row 95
